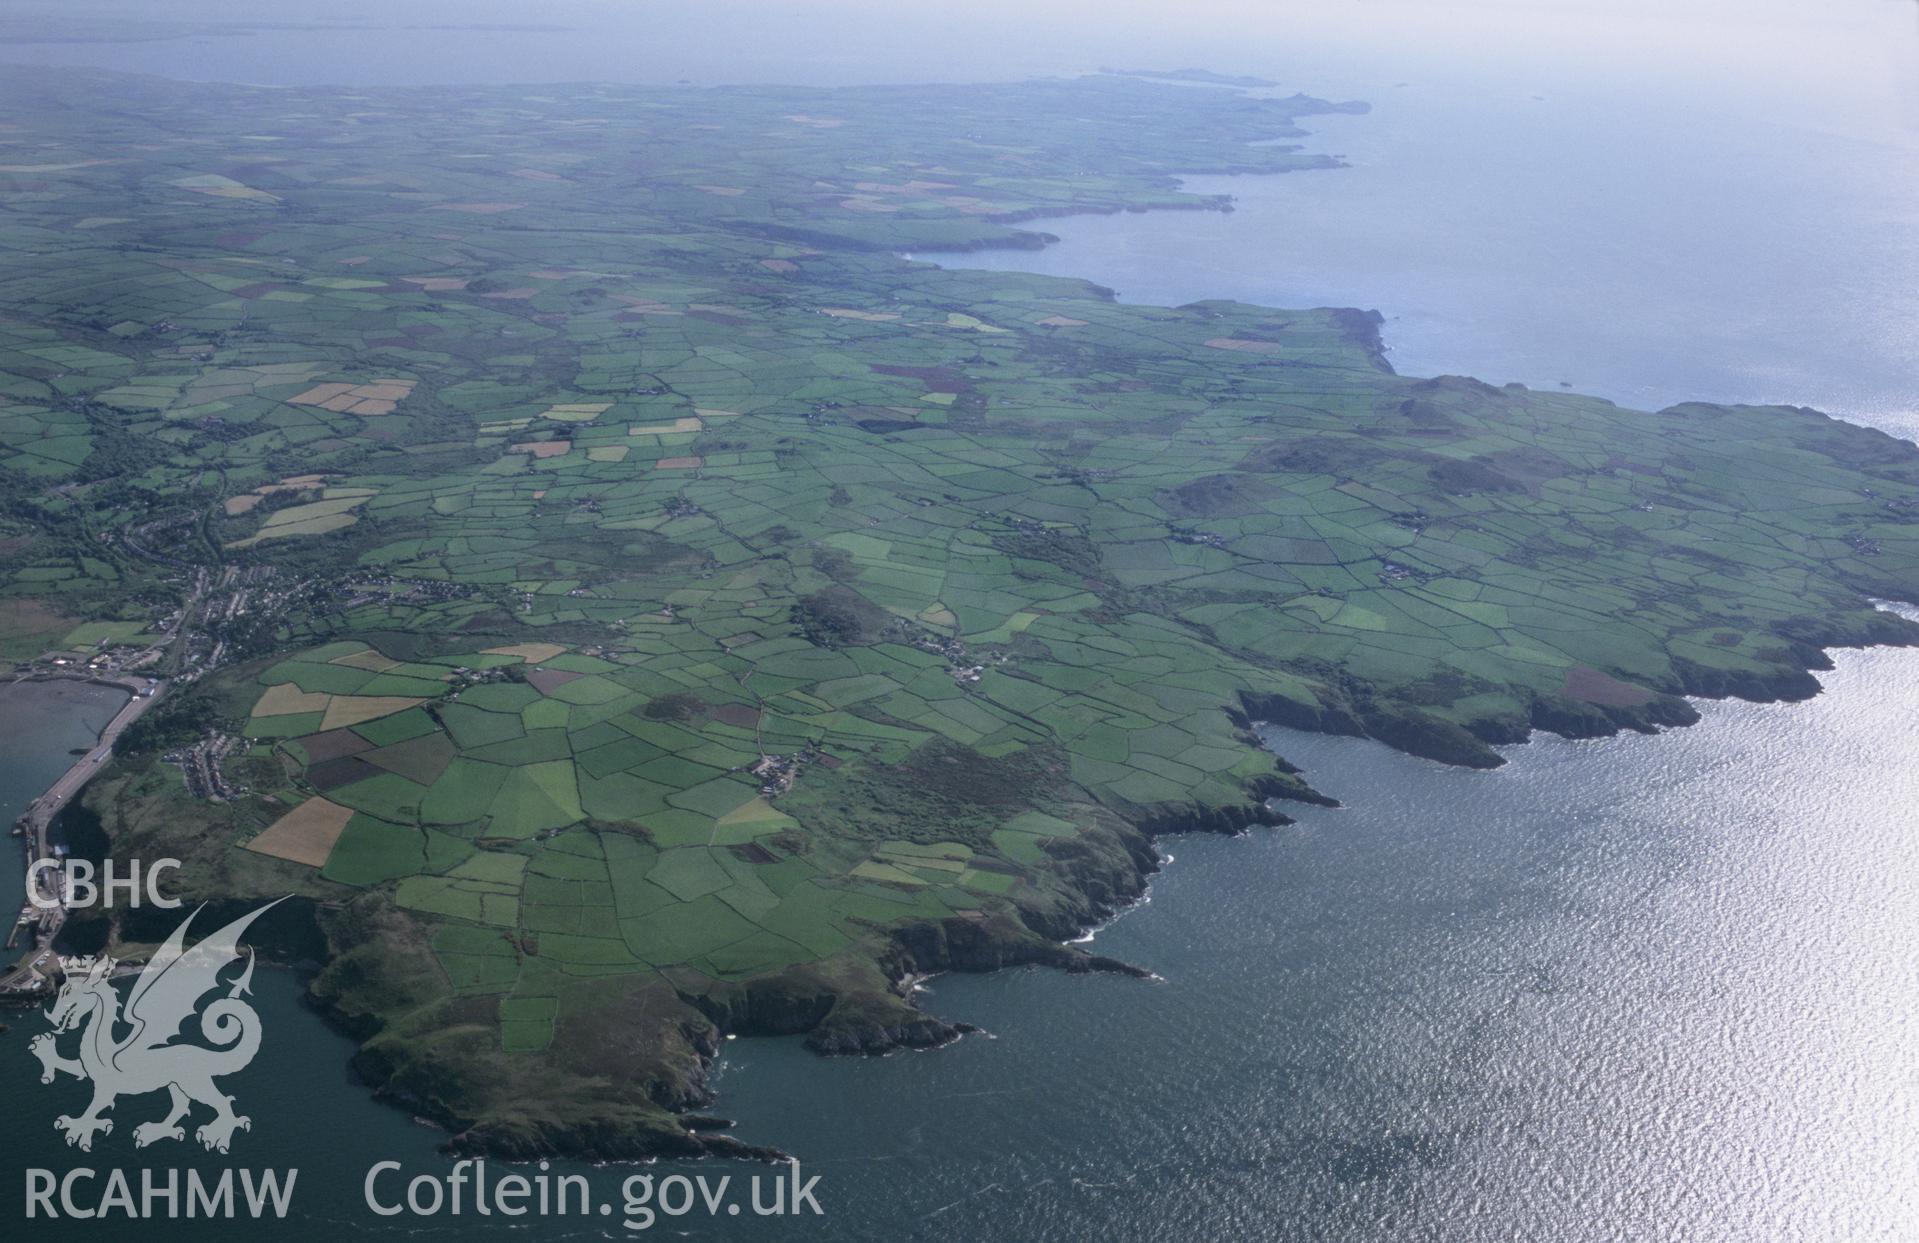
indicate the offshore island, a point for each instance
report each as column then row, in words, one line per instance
column 629, row 605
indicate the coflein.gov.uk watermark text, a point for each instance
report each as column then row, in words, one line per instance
column 465, row 1190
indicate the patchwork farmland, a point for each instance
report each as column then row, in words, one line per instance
column 668, row 613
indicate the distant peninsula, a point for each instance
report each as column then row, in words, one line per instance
column 1202, row 77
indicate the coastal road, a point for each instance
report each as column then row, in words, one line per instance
column 41, row 811
column 40, row 815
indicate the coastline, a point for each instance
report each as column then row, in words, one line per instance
column 29, row 980
column 1109, row 871
column 1106, row 867
column 1110, row 877
column 1422, row 306
column 1636, row 985
column 934, row 952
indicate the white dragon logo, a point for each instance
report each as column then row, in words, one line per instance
column 166, row 994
